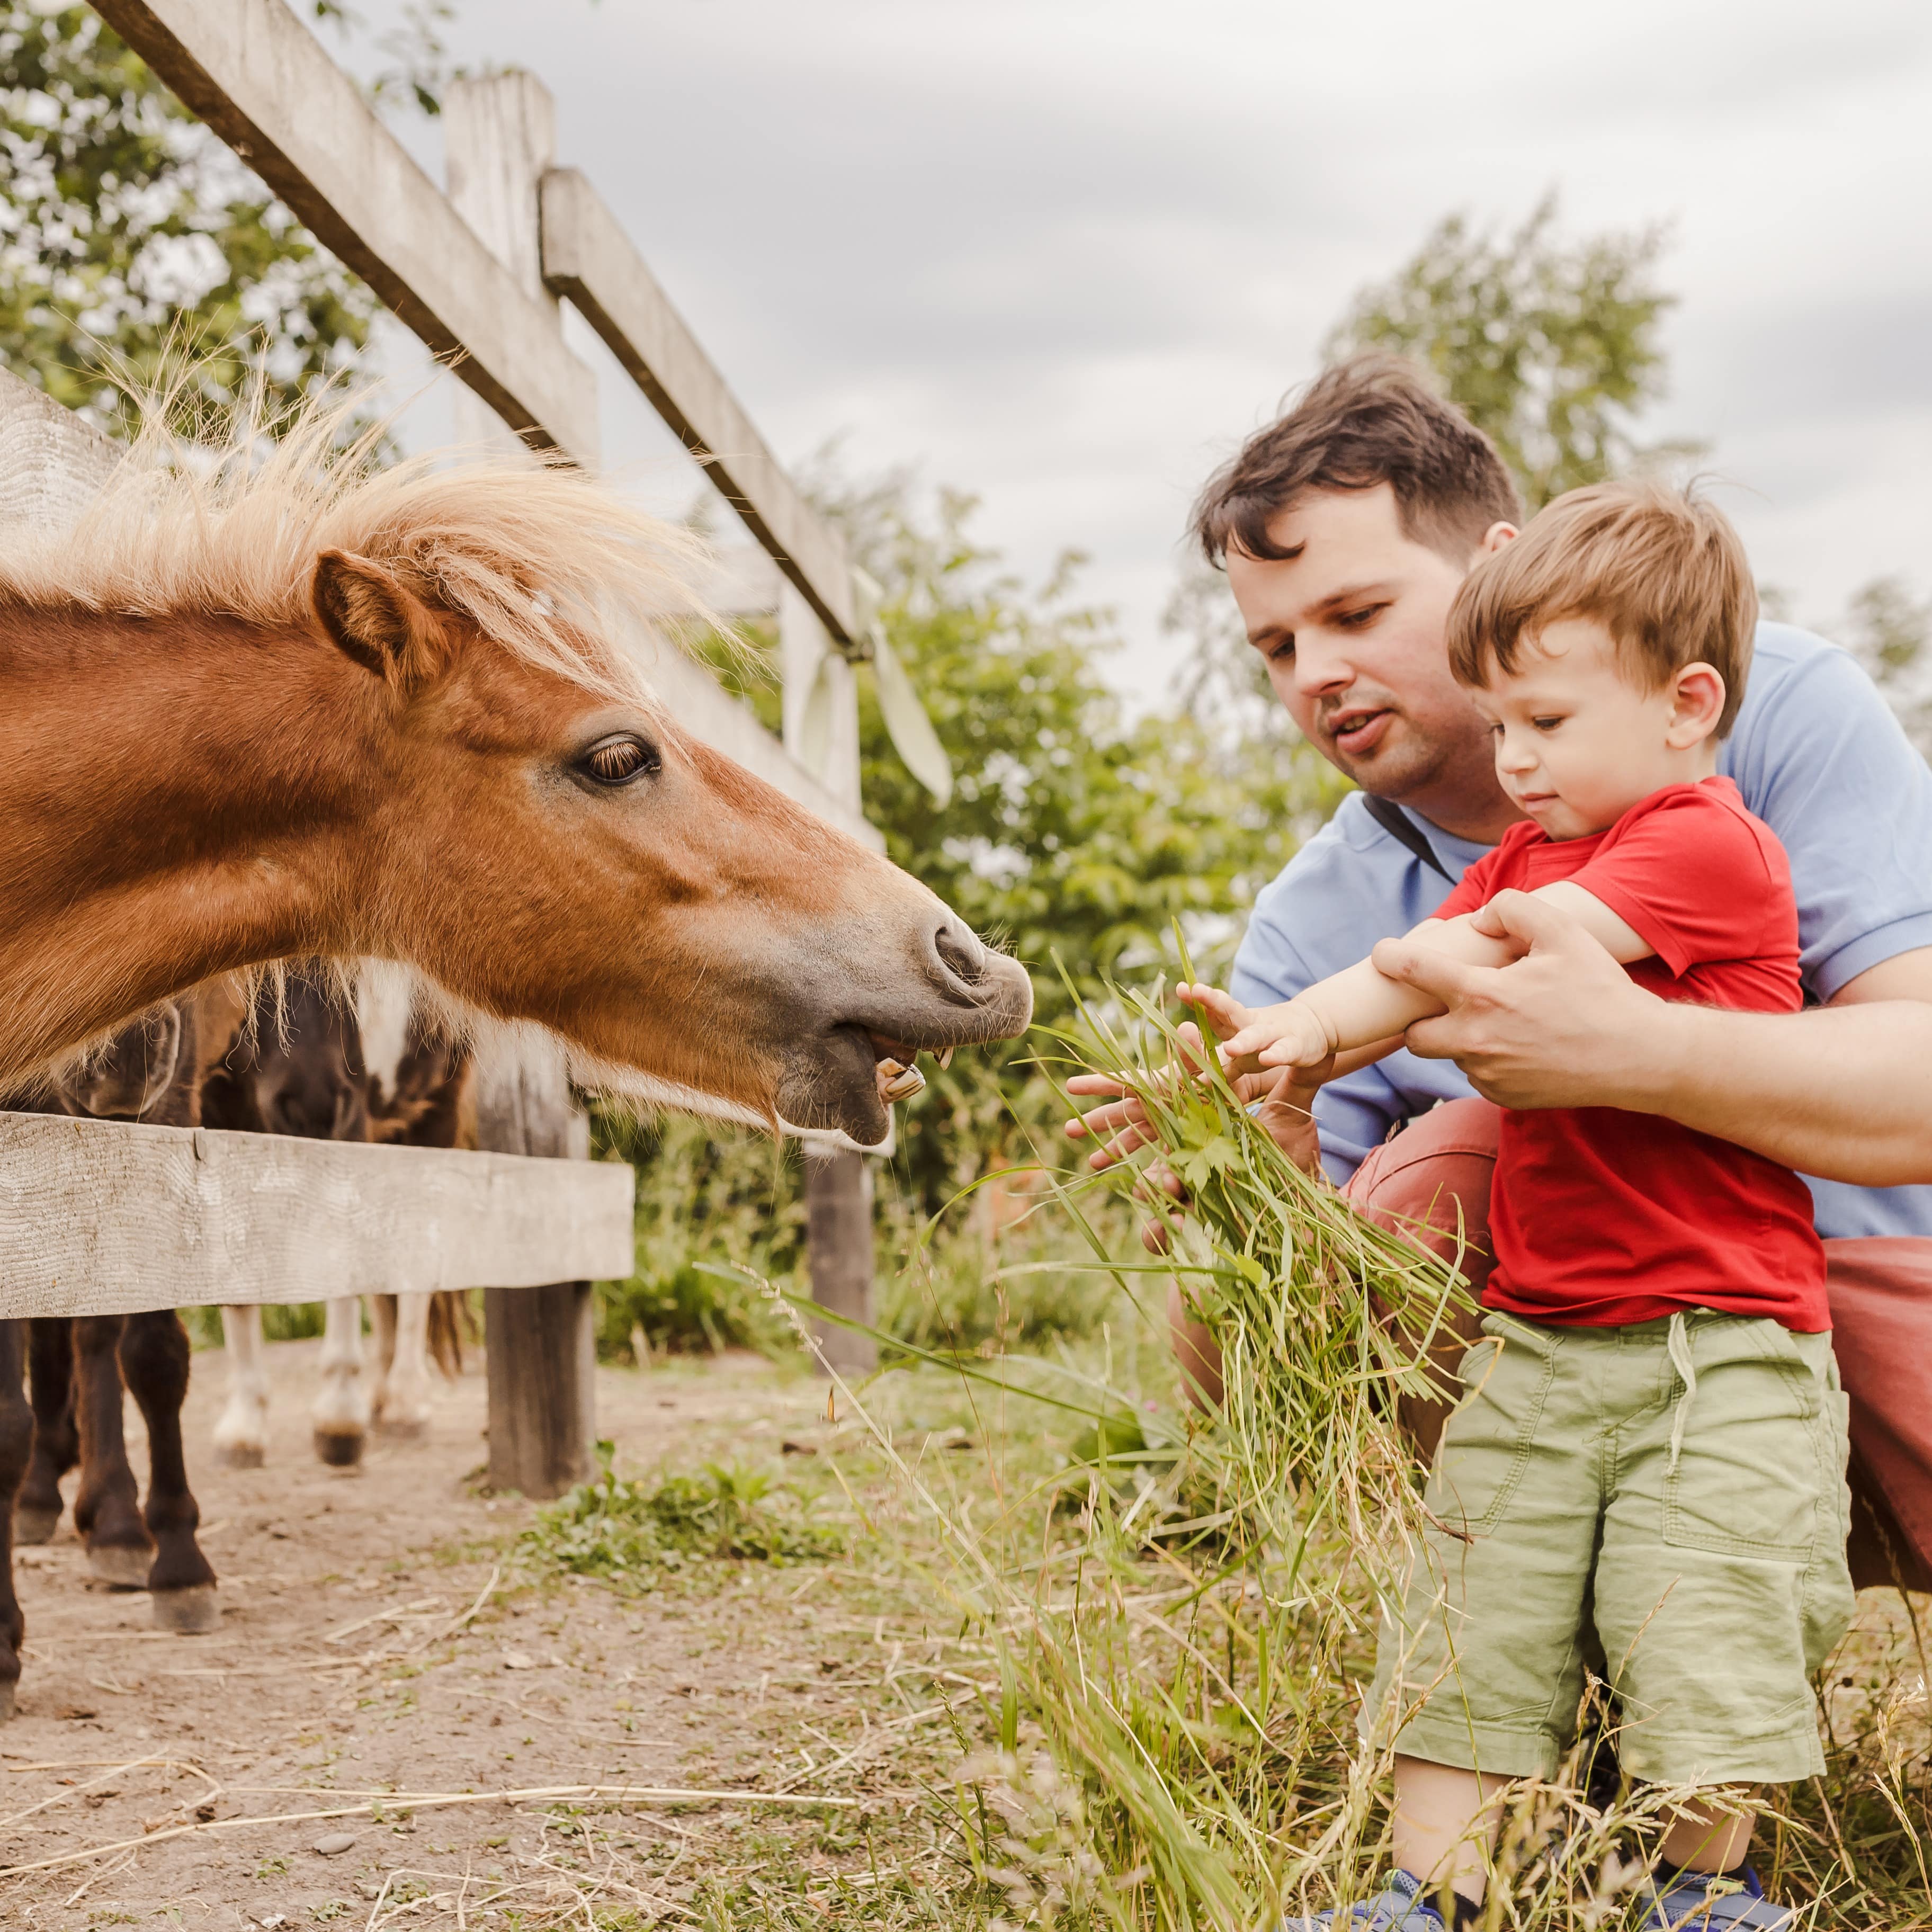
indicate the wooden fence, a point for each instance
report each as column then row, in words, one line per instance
column 99, row 1217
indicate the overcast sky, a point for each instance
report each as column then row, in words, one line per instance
column 1064, row 253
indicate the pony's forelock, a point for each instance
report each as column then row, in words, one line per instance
column 551, row 563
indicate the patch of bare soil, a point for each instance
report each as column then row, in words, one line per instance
column 380, row 1639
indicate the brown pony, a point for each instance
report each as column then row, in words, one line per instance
column 287, row 704
column 261, row 703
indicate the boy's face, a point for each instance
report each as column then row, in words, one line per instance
column 1578, row 738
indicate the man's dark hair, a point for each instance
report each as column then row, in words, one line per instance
column 1371, row 420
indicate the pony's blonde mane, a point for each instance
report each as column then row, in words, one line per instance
column 550, row 562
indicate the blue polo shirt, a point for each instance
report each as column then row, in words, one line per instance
column 1818, row 756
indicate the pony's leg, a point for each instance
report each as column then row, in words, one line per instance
column 16, row 1445
column 383, row 1314
column 241, row 1435
column 341, row 1411
column 56, row 1441
column 406, row 1411
column 154, row 1358
column 107, row 1506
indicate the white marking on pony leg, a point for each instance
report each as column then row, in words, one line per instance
column 341, row 1411
column 385, row 993
column 241, row 1435
column 406, row 1401
column 382, row 1317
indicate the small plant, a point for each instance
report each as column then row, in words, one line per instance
column 626, row 1529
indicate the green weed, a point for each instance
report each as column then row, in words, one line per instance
column 624, row 1530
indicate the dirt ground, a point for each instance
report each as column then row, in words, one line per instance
column 345, row 1668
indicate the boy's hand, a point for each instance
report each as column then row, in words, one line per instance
column 1225, row 1015
column 1256, row 1038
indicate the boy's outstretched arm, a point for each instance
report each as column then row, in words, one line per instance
column 1362, row 1013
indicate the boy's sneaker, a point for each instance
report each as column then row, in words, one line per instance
column 1400, row 1909
column 1709, row 1902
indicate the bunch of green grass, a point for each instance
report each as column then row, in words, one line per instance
column 1324, row 1318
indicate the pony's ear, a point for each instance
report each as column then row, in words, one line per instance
column 370, row 616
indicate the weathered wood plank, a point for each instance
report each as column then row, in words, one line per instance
column 588, row 258
column 51, row 463
column 267, row 86
column 97, row 1217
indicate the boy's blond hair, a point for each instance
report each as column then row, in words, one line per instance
column 1660, row 568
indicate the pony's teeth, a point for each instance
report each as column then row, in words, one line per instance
column 903, row 1085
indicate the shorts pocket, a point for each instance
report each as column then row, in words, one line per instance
column 1748, row 1481
column 1486, row 1442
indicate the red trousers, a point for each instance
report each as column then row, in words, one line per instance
column 1881, row 1294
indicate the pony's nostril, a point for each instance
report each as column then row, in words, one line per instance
column 960, row 953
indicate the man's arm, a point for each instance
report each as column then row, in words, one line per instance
column 1844, row 1092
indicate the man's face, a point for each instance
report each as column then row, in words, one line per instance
column 1350, row 627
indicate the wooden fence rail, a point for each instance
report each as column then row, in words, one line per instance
column 101, row 1217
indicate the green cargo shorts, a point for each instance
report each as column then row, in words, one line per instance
column 1593, row 1506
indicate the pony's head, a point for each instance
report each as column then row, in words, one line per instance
column 442, row 738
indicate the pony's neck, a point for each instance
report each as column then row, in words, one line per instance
column 176, row 800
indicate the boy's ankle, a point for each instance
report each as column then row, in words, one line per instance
column 1463, row 1912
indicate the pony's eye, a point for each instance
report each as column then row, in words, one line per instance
column 617, row 761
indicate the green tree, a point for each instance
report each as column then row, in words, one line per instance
column 1890, row 632
column 1551, row 347
column 128, row 233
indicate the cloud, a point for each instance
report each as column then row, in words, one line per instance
column 1063, row 253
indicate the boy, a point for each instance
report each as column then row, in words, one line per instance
column 1647, row 1472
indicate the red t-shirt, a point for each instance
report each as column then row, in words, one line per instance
column 1601, row 1217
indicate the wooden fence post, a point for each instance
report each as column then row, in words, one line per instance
column 499, row 135
column 540, row 1343
column 821, row 731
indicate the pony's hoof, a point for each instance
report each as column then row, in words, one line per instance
column 34, row 1526
column 121, row 1566
column 340, row 1448
column 240, row 1455
column 192, row 1612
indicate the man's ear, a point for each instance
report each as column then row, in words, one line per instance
column 1698, row 695
column 372, row 617
column 1495, row 537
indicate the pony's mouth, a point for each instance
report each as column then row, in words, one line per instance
column 846, row 1081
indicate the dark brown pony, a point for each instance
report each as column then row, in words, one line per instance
column 258, row 709
column 296, row 1067
column 151, row 1072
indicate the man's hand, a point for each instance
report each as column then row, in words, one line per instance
column 1563, row 1026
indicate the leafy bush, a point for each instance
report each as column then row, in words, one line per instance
column 706, row 1192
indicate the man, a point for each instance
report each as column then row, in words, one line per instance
column 1345, row 529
